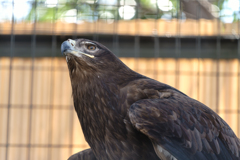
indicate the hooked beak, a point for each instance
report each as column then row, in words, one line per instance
column 68, row 46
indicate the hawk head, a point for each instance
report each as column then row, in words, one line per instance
column 86, row 58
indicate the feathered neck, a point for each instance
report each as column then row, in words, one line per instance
column 97, row 100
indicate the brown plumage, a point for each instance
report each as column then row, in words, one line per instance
column 125, row 115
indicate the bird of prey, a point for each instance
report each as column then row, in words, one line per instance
column 127, row 116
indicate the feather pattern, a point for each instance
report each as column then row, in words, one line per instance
column 187, row 124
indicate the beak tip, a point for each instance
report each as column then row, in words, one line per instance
column 65, row 46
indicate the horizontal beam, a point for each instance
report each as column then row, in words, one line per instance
column 191, row 47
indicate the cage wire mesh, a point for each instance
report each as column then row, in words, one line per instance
column 192, row 45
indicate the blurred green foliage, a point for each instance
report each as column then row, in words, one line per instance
column 89, row 10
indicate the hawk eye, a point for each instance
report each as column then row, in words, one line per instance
column 91, row 47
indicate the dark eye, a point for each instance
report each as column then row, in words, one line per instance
column 91, row 47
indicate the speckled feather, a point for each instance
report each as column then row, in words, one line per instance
column 125, row 115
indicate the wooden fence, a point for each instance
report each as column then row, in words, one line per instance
column 148, row 27
column 43, row 123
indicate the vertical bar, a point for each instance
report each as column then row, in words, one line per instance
column 95, row 35
column 136, row 38
column 218, row 56
column 115, row 36
column 156, row 43
column 76, row 24
column 238, row 83
column 198, row 47
column 33, row 50
column 12, row 46
column 177, row 45
column 54, row 46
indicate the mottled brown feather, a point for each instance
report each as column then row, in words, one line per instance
column 195, row 134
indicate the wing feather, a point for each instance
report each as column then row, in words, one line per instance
column 183, row 124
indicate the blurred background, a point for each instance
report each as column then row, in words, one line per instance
column 192, row 45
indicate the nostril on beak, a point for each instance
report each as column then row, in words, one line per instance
column 72, row 42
